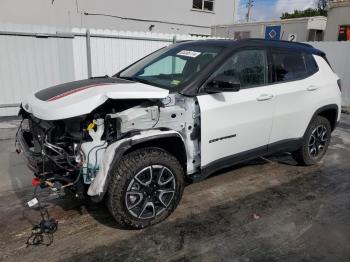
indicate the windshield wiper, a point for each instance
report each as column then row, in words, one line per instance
column 136, row 79
column 127, row 78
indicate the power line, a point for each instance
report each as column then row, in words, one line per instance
column 144, row 20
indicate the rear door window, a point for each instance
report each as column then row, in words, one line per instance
column 288, row 66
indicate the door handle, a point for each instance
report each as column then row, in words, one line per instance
column 264, row 97
column 312, row 88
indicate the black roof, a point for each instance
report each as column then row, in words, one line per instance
column 256, row 42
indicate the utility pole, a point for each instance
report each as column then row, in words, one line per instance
column 249, row 6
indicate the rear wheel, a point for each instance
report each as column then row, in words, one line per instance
column 146, row 187
column 315, row 142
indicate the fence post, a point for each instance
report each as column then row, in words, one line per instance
column 174, row 39
column 88, row 53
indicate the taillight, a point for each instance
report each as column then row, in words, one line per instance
column 339, row 84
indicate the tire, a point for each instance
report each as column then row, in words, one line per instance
column 140, row 178
column 314, row 139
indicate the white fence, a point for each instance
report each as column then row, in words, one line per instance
column 32, row 58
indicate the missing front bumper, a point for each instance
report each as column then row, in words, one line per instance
column 25, row 146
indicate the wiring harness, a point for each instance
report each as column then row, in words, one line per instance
column 43, row 232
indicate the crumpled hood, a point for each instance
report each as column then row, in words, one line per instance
column 81, row 97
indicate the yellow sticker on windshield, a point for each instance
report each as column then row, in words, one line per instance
column 175, row 82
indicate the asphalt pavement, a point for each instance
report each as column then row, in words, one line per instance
column 264, row 210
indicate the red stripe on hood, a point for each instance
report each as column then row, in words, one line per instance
column 75, row 91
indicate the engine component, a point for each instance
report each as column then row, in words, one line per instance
column 93, row 151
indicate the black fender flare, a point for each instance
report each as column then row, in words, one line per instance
column 127, row 144
column 321, row 109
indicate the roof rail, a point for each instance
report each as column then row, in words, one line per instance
column 279, row 41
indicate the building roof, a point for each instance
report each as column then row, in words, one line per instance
column 280, row 21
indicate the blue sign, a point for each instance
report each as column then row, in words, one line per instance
column 273, row 32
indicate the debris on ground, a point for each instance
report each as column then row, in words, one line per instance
column 256, row 216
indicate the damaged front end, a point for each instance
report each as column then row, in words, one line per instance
column 54, row 151
column 77, row 153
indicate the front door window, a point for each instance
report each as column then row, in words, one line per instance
column 249, row 66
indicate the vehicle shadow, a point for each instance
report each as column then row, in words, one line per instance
column 282, row 159
column 229, row 230
column 57, row 205
column 100, row 212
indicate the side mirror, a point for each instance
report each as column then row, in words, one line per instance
column 223, row 83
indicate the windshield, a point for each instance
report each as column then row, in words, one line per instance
column 171, row 67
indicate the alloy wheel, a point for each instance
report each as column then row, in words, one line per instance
column 317, row 141
column 150, row 192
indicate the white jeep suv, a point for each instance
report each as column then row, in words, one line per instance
column 186, row 110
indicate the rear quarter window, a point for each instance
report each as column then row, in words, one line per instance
column 311, row 64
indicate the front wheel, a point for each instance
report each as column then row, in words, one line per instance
column 145, row 188
column 315, row 142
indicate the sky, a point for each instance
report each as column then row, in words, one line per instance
column 272, row 9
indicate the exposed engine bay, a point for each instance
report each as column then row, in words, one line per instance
column 77, row 153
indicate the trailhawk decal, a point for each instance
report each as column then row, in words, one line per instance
column 76, row 91
column 56, row 92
